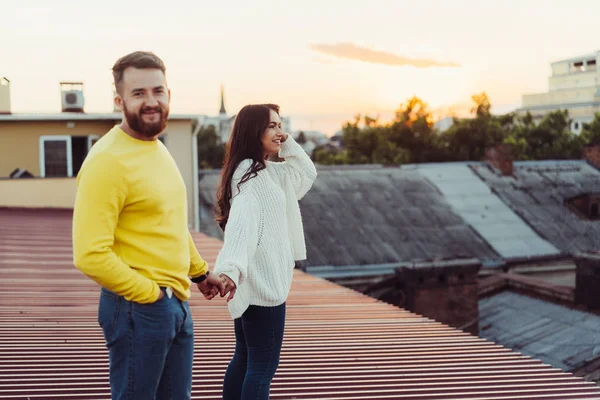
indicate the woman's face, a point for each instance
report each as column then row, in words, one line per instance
column 271, row 139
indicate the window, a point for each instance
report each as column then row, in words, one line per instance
column 62, row 156
column 591, row 63
column 55, row 157
column 576, row 125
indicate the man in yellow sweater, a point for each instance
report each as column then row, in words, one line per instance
column 130, row 235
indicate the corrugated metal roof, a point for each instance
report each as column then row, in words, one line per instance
column 473, row 200
column 339, row 344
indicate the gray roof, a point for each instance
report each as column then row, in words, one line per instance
column 560, row 336
column 538, row 193
column 473, row 200
column 371, row 216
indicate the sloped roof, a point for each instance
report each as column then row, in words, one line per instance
column 473, row 200
column 373, row 216
column 537, row 194
column 338, row 344
column 561, row 336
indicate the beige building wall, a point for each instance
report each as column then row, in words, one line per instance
column 20, row 140
column 38, row 193
column 19, row 148
column 179, row 142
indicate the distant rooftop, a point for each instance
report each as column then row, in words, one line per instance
column 561, row 336
column 373, row 217
column 538, row 196
column 578, row 58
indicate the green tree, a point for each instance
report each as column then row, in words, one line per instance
column 591, row 132
column 468, row 139
column 412, row 130
column 550, row 139
column 210, row 149
column 483, row 107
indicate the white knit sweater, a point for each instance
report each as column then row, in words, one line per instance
column 264, row 233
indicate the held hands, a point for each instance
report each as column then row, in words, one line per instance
column 211, row 286
column 214, row 285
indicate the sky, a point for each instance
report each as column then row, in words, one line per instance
column 322, row 61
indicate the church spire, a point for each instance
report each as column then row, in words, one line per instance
column 222, row 110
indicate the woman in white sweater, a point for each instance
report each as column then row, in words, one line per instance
column 257, row 207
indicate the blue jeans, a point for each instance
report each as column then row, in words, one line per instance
column 151, row 347
column 258, row 339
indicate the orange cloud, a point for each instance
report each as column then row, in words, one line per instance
column 353, row 52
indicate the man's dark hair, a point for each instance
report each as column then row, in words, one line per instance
column 137, row 59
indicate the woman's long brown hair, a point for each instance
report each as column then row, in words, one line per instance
column 245, row 143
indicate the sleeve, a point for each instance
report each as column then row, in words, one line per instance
column 297, row 169
column 197, row 264
column 241, row 235
column 101, row 195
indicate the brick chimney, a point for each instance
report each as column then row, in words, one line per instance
column 446, row 291
column 587, row 279
column 501, row 158
column 4, row 96
column 591, row 153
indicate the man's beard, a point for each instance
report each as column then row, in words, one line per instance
column 137, row 123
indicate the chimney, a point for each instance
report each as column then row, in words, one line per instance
column 4, row 96
column 72, row 96
column 446, row 291
column 591, row 153
column 587, row 279
column 500, row 157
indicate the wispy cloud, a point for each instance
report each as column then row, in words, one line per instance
column 354, row 52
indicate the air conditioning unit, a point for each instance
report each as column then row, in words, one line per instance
column 72, row 96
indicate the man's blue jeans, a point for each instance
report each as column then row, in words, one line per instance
column 151, row 347
column 258, row 340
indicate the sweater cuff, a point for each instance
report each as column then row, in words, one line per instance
column 290, row 148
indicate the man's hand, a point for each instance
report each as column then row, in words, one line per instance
column 211, row 286
column 229, row 286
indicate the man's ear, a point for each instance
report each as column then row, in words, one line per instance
column 119, row 101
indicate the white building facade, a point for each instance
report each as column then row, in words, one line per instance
column 574, row 85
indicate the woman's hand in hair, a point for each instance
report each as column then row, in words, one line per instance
column 229, row 286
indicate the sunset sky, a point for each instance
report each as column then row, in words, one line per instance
column 322, row 61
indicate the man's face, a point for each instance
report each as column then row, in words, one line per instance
column 144, row 99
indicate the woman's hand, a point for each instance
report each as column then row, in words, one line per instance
column 229, row 286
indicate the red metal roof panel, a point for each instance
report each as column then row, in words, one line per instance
column 339, row 344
